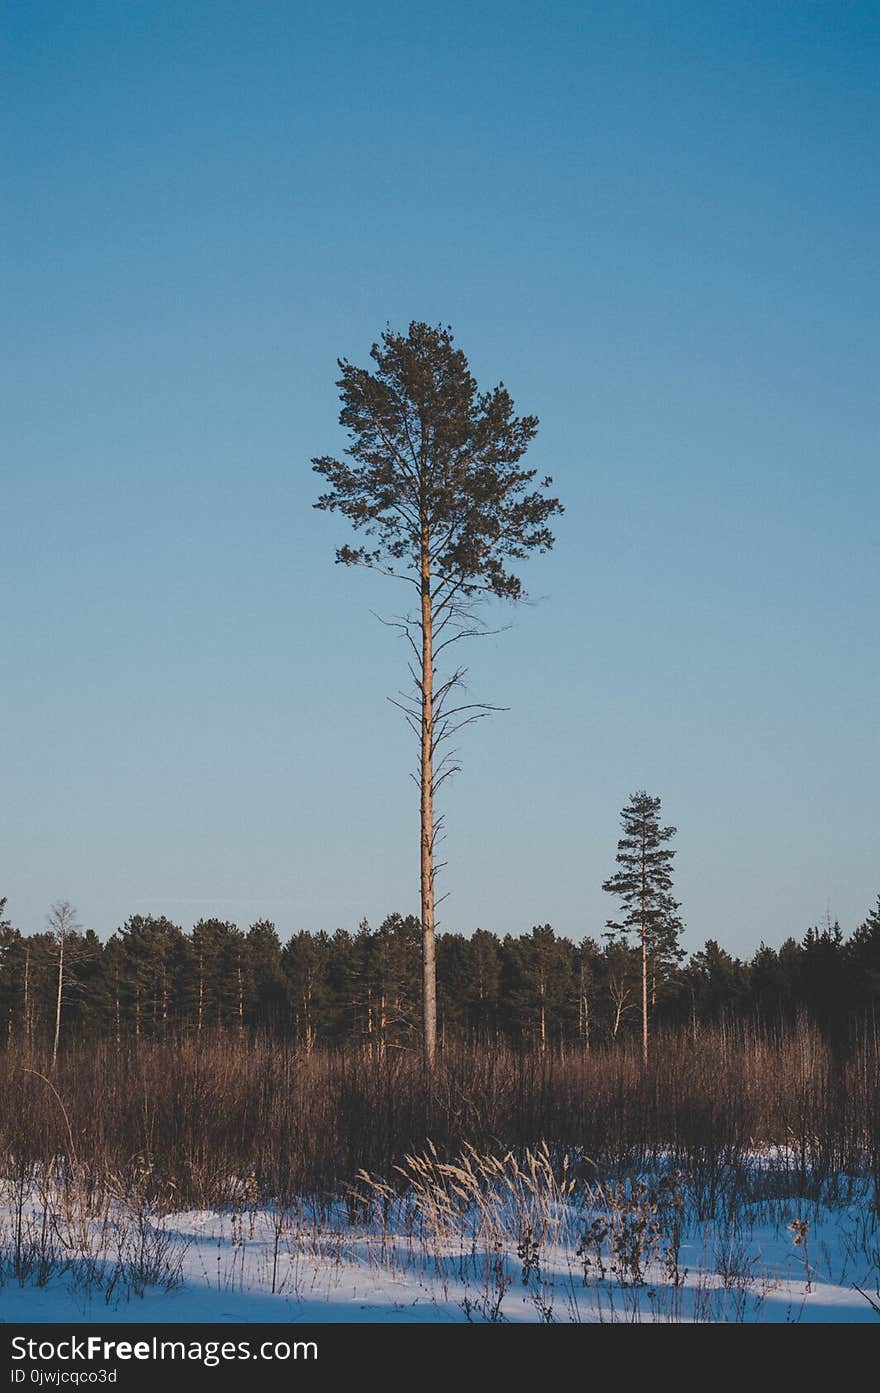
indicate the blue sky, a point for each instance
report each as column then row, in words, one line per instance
column 657, row 223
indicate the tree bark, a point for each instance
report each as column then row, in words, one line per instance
column 58, row 1001
column 426, row 784
column 644, row 998
column 201, row 992
column 584, row 1008
column 644, row 950
column 27, row 999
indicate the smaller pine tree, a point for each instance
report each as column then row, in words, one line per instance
column 643, row 885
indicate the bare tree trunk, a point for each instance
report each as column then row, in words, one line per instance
column 58, row 1000
column 27, row 999
column 426, row 783
column 644, row 951
column 618, row 1015
column 310, row 1034
column 201, row 993
column 644, row 1000
column 584, row 1008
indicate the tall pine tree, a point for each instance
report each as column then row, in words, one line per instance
column 643, row 885
column 433, row 478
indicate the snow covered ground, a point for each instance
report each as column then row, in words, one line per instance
column 477, row 1241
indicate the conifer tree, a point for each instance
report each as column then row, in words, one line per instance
column 267, row 986
column 643, row 886
column 864, row 955
column 305, row 963
column 432, row 478
column 10, row 956
column 484, row 990
column 538, row 984
column 151, row 957
column 217, row 974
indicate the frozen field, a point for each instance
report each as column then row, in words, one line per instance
column 485, row 1239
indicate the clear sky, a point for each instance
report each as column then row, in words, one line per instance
column 658, row 224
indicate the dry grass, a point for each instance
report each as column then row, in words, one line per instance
column 184, row 1124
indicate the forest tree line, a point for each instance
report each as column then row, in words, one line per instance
column 151, row 979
